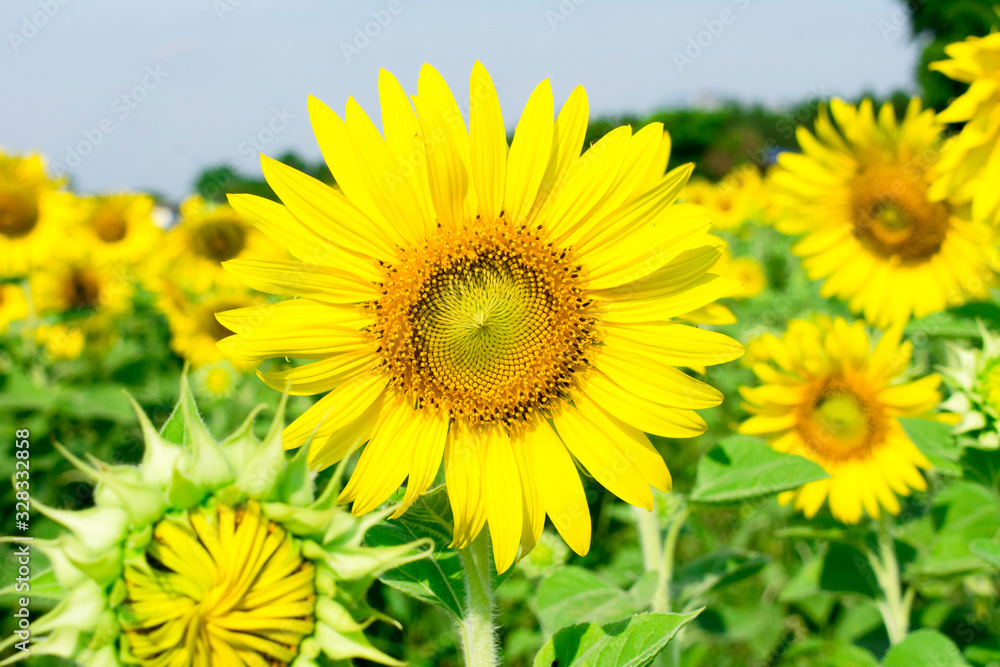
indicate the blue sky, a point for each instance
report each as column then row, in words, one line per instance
column 154, row 92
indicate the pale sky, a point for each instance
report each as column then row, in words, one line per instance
column 154, row 92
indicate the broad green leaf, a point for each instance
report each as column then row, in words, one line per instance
column 815, row 652
column 925, row 648
column 936, row 442
column 741, row 468
column 848, row 570
column 574, row 595
column 962, row 513
column 437, row 580
column 987, row 550
column 632, row 642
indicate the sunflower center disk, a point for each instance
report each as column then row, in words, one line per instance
column 18, row 212
column 489, row 323
column 82, row 289
column 838, row 422
column 220, row 586
column 892, row 216
column 220, row 240
column 109, row 226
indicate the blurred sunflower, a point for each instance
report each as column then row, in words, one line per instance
column 969, row 168
column 77, row 284
column 194, row 328
column 34, row 214
column 120, row 228
column 746, row 271
column 210, row 553
column 13, row 305
column 732, row 202
column 61, row 342
column 206, row 235
column 828, row 397
column 504, row 309
column 860, row 198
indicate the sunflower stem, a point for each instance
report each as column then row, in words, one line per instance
column 649, row 538
column 479, row 642
column 661, row 600
column 895, row 605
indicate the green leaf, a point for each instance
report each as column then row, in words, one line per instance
column 574, row 595
column 437, row 580
column 848, row 570
column 925, row 648
column 987, row 550
column 741, row 468
column 936, row 442
column 632, row 642
column 815, row 652
column 962, row 513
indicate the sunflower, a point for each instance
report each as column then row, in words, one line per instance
column 732, row 202
column 61, row 342
column 830, row 398
column 34, row 214
column 206, row 235
column 504, row 309
column 76, row 284
column 746, row 271
column 120, row 227
column 13, row 305
column 861, row 202
column 209, row 553
column 970, row 162
column 194, row 329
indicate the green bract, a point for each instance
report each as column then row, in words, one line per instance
column 209, row 549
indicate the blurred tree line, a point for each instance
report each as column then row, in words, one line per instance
column 718, row 139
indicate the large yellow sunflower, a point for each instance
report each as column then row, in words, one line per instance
column 505, row 309
column 828, row 397
column 34, row 214
column 860, row 198
column 207, row 235
column 969, row 169
column 120, row 227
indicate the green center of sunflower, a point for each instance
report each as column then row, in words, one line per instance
column 488, row 322
column 109, row 225
column 18, row 211
column 989, row 385
column 839, row 421
column 892, row 217
column 218, row 586
column 219, row 239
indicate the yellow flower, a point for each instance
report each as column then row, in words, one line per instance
column 62, row 342
column 77, row 284
column 214, row 381
column 970, row 162
column 34, row 214
column 120, row 228
column 737, row 199
column 194, row 328
column 13, row 305
column 207, row 235
column 505, row 309
column 828, row 397
column 860, row 199
column 746, row 271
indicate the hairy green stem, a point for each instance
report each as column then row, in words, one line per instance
column 661, row 600
column 895, row 605
column 479, row 643
column 649, row 538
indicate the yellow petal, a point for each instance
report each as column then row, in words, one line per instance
column 335, row 410
column 487, row 143
column 560, row 489
column 502, row 498
column 322, row 283
column 463, row 474
column 529, row 153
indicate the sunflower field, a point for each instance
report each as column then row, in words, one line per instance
column 589, row 393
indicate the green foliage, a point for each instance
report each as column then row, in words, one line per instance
column 632, row 642
column 925, row 648
column 743, row 468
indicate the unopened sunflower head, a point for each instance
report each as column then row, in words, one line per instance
column 211, row 553
column 828, row 395
column 973, row 375
column 501, row 309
